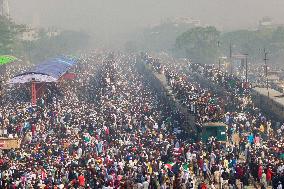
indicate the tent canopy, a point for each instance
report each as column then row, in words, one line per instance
column 6, row 59
column 48, row 71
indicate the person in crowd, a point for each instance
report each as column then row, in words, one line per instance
column 111, row 128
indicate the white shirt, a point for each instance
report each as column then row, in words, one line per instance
column 156, row 126
column 146, row 185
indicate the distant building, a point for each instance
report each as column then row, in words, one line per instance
column 51, row 32
column 179, row 21
column 265, row 22
column 30, row 35
column 273, row 78
column 186, row 20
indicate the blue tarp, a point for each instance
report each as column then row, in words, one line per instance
column 54, row 67
column 48, row 71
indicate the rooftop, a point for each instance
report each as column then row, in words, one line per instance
column 214, row 124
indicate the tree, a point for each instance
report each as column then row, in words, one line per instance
column 9, row 32
column 198, row 44
column 67, row 42
column 253, row 43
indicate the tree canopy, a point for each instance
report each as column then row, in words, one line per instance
column 45, row 46
column 9, row 31
column 198, row 44
column 201, row 44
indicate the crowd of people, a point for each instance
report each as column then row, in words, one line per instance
column 108, row 128
column 252, row 136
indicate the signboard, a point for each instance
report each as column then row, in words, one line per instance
column 2, row 144
column 10, row 143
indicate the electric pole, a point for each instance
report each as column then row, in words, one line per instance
column 231, row 63
column 219, row 62
column 246, row 67
column 266, row 70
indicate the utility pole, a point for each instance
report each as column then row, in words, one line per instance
column 246, row 67
column 266, row 70
column 219, row 65
column 231, row 63
column 219, row 62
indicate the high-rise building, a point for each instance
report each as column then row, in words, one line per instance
column 4, row 8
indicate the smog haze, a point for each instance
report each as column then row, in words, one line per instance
column 107, row 18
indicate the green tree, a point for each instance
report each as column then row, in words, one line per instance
column 9, row 32
column 198, row 44
column 253, row 43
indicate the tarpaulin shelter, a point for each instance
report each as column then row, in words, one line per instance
column 48, row 71
column 51, row 70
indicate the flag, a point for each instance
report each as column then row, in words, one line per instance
column 185, row 166
column 169, row 165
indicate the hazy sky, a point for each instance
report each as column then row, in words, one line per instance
column 110, row 16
